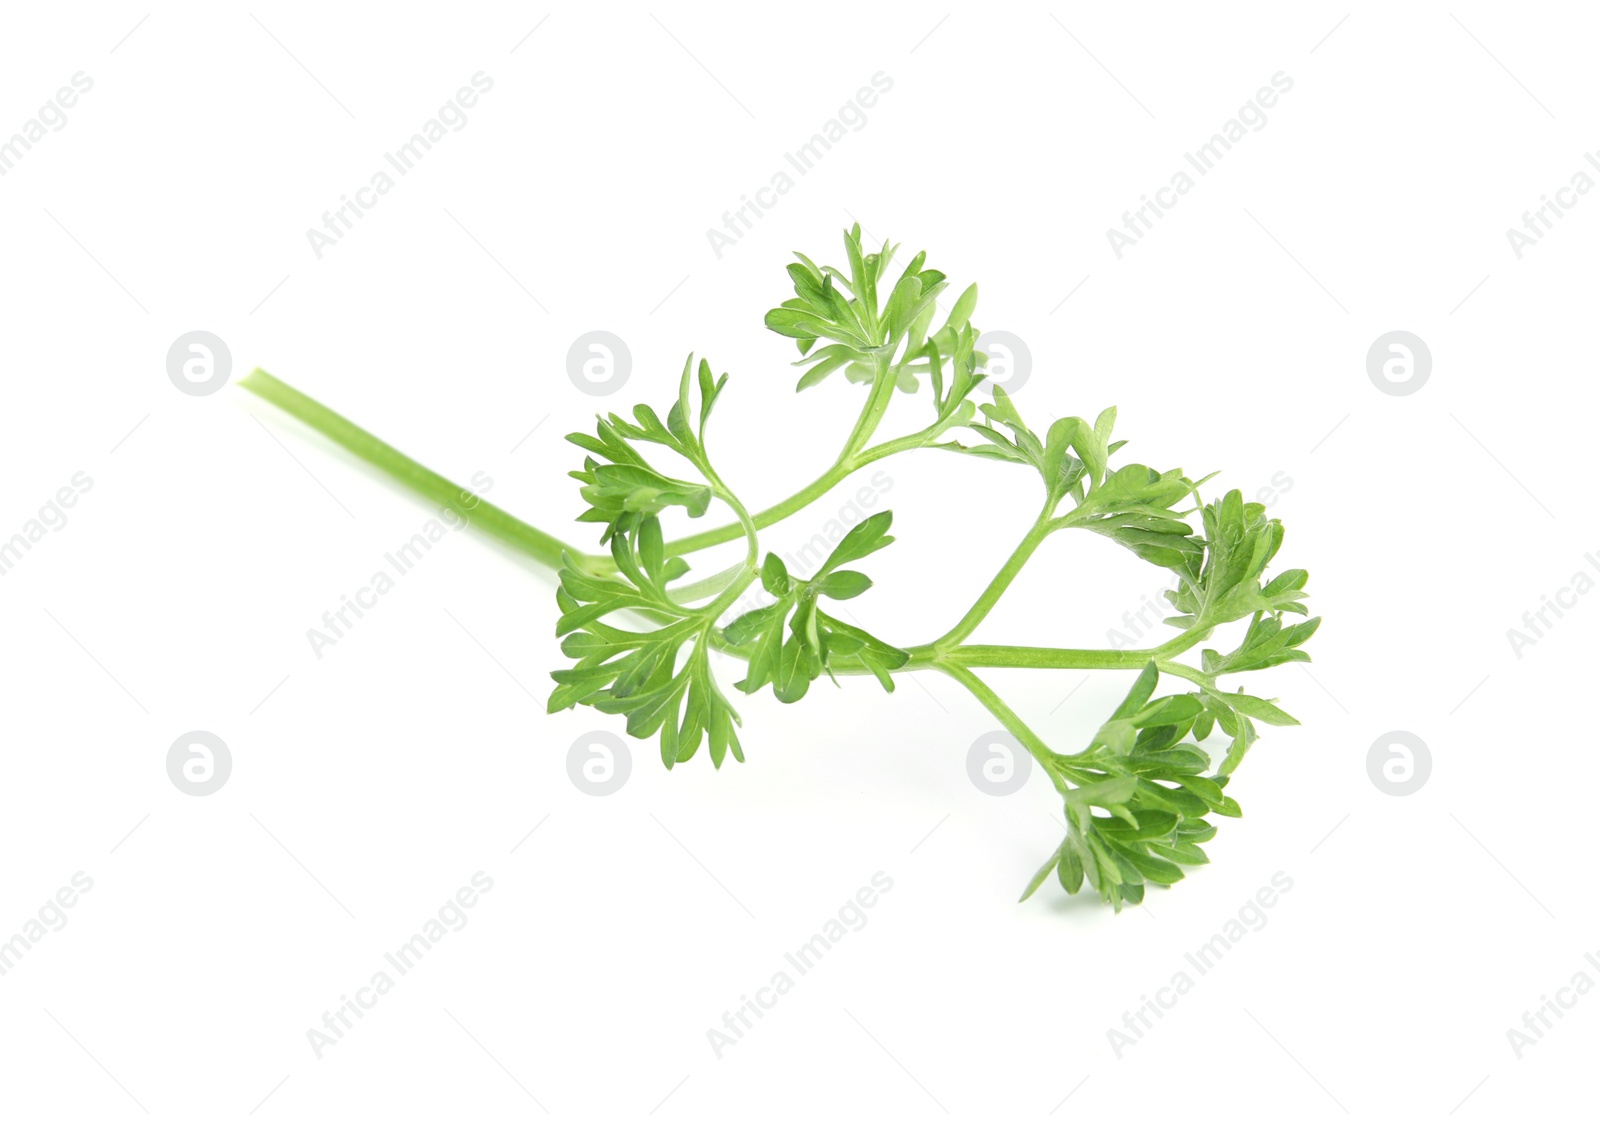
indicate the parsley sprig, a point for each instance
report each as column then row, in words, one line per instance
column 1138, row 799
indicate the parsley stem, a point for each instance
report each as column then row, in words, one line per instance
column 1055, row 658
column 1002, row 580
column 772, row 514
column 1047, row 658
column 746, row 573
column 1007, row 717
column 548, row 550
column 883, row 386
column 802, row 498
column 1063, row 658
column 847, row 462
column 515, row 532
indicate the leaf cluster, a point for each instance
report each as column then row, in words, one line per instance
column 639, row 673
column 1131, row 504
column 1140, row 798
column 620, row 484
column 865, row 328
column 815, row 640
column 1240, row 541
column 1145, row 771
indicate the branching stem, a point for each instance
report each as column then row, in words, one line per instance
column 548, row 550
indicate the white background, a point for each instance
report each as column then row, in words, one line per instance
column 370, row 783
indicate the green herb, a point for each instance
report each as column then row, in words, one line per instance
column 1137, row 799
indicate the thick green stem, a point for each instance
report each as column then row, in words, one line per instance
column 852, row 458
column 1057, row 658
column 804, row 497
column 548, row 550
column 1064, row 658
column 1198, row 677
column 747, row 572
column 1007, row 717
column 997, row 587
column 769, row 516
column 1048, row 658
column 883, row 385
column 436, row 488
